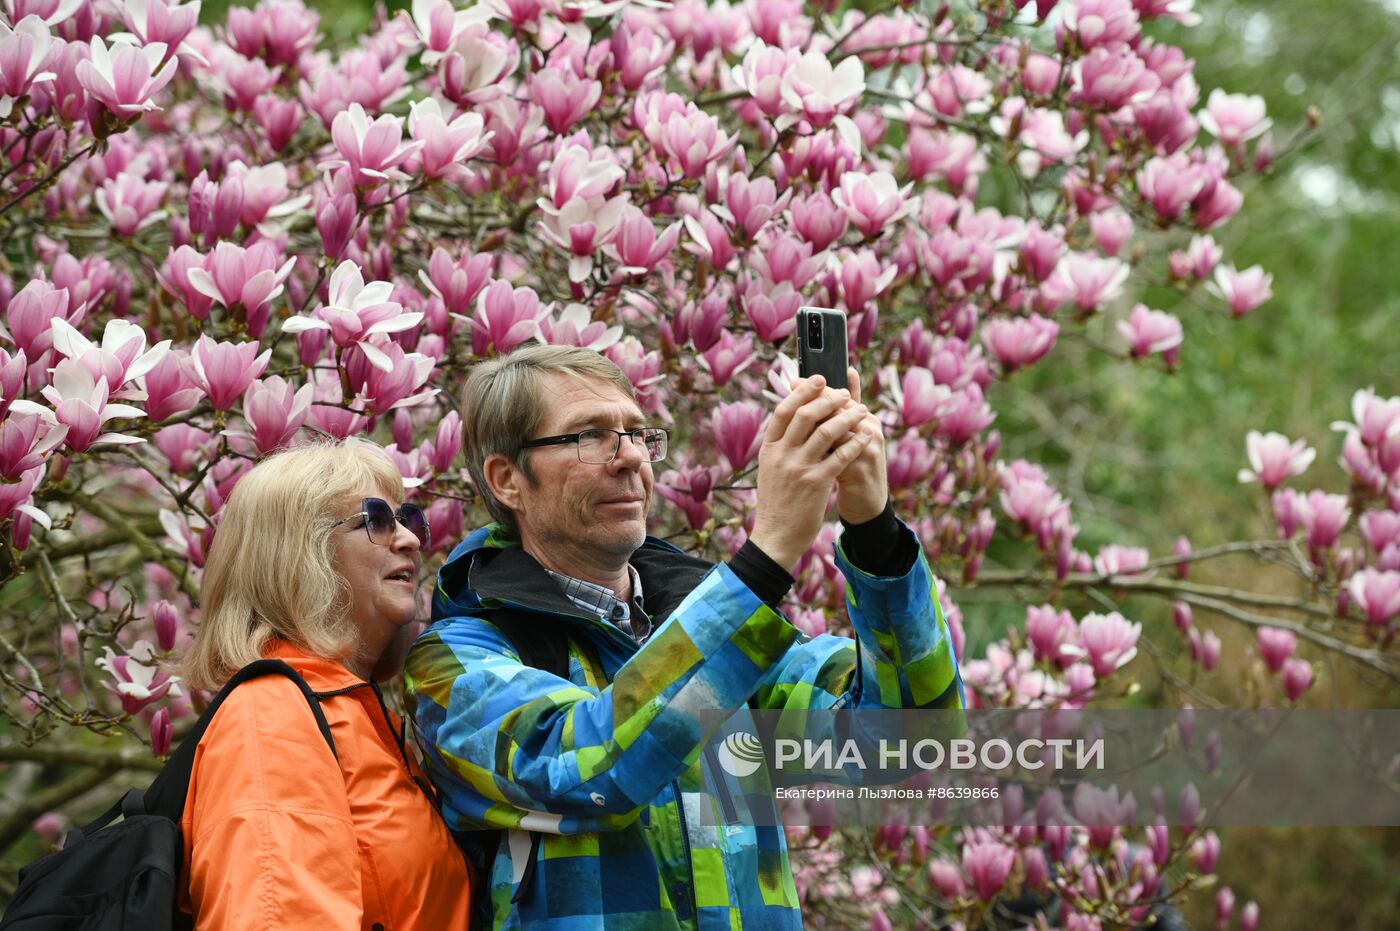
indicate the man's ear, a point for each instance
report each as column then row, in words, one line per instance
column 505, row 480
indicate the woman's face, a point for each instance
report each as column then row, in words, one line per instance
column 382, row 578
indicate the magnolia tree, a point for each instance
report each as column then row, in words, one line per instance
column 223, row 240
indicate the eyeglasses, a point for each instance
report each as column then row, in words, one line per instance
column 599, row 446
column 381, row 520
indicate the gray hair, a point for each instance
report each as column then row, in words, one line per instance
column 503, row 403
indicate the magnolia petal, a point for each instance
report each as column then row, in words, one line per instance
column 376, row 356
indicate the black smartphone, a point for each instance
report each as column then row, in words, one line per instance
column 821, row 345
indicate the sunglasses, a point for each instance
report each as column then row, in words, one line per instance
column 380, row 520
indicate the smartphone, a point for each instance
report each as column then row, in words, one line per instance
column 821, row 345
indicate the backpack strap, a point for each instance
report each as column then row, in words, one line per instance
column 166, row 795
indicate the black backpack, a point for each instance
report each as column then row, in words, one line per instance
column 127, row 875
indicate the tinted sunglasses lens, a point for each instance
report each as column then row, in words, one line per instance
column 412, row 517
column 379, row 520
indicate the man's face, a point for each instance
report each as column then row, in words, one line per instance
column 573, row 505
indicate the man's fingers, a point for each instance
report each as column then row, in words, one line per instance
column 833, row 431
column 803, row 390
column 853, row 383
column 847, row 453
column 812, row 415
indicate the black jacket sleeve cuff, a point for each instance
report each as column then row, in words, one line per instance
column 765, row 578
column 881, row 546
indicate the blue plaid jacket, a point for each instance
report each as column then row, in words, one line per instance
column 607, row 764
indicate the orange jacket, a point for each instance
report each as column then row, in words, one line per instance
column 278, row 836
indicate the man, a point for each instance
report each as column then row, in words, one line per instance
column 594, row 779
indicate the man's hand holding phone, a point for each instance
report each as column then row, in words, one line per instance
column 864, row 487
column 815, row 436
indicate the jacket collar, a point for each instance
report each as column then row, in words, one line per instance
column 323, row 675
column 489, row 570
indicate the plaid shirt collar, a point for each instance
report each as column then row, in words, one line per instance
column 600, row 600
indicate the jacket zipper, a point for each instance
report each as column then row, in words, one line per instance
column 689, row 855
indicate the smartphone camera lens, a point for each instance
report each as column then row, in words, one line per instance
column 814, row 332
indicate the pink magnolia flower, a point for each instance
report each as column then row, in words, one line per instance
column 1288, row 511
column 947, row 879
column 225, row 370
column 247, row 278
column 458, row 283
column 398, row 386
column 1234, row 118
column 738, row 432
column 711, row 239
column 1109, row 640
column 278, row 119
column 1376, row 420
column 1169, row 184
column 773, row 315
column 162, row 732
column 873, row 200
column 1297, row 676
column 911, row 461
column 1218, row 201
column 1110, row 78
column 815, row 91
column 275, row 409
column 564, row 98
column 861, row 278
column 445, row 146
column 17, row 499
column 446, row 443
column 438, row 25
column 575, row 326
column 356, row 313
column 1112, row 229
column 1380, row 529
column 987, row 864
column 1323, row 517
column 1205, row 649
column 12, row 377
column 729, row 356
column 580, row 172
column 125, row 78
column 785, row 258
column 1275, row 646
column 336, row 220
column 1041, row 250
column 1087, row 280
column 689, row 489
column 1179, row 10
column 372, row 151
column 1150, row 331
column 24, row 50
column 80, row 403
column 1198, row 261
column 583, row 226
column 1102, row 812
column 25, row 443
column 817, row 219
column 506, row 317
column 1242, row 291
column 917, row 397
column 1019, row 341
column 138, row 679
column 1052, row 635
column 1101, row 22
column 1377, row 593
column 693, row 141
column 637, row 248
column 1274, row 459
column 761, row 75
column 159, row 21
column 171, row 386
column 749, row 203
column 184, row 447
column 29, row 315
column 1115, row 559
column 129, row 202
column 953, row 156
column 121, row 356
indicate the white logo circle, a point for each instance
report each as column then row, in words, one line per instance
column 741, row 754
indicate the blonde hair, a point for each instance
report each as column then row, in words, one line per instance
column 503, row 403
column 269, row 571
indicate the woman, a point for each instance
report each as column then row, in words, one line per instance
column 315, row 563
